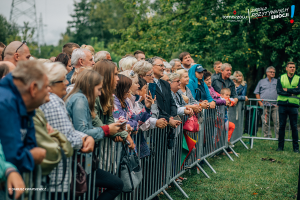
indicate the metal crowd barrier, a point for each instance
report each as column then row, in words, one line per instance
column 160, row 169
column 262, row 122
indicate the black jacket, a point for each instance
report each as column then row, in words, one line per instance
column 218, row 83
column 165, row 102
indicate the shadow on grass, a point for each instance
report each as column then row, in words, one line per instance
column 248, row 177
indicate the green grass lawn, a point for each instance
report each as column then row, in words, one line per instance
column 248, row 177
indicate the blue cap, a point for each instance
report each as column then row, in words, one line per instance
column 200, row 69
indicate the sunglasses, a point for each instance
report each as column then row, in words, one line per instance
column 24, row 42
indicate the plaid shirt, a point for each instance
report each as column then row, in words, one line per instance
column 57, row 116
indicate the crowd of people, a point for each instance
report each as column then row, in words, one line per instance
column 86, row 96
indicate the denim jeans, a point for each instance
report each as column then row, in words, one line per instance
column 292, row 112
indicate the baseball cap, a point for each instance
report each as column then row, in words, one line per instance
column 200, row 69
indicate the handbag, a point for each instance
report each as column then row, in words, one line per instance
column 56, row 144
column 130, row 170
column 81, row 185
column 191, row 124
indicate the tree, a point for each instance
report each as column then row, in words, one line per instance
column 165, row 28
column 9, row 31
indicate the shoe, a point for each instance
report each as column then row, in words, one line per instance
column 230, row 144
column 296, row 150
column 279, row 149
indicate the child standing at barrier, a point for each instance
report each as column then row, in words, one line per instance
column 225, row 95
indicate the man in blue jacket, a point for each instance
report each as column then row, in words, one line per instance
column 22, row 91
column 197, row 86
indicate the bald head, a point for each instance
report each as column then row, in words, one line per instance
column 14, row 55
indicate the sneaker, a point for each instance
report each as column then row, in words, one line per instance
column 230, row 144
column 296, row 150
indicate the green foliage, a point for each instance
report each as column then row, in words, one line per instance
column 8, row 32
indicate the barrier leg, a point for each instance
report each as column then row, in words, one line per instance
column 167, row 195
column 251, row 143
column 202, row 170
column 180, row 189
column 212, row 169
column 244, row 144
column 227, row 154
column 233, row 151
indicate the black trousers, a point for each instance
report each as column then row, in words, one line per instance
column 112, row 183
column 292, row 112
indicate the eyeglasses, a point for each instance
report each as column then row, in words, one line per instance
column 24, row 42
column 176, row 81
column 61, row 81
column 272, row 72
column 161, row 65
column 149, row 74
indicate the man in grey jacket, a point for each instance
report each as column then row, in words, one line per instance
column 222, row 80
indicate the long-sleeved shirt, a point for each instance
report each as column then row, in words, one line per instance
column 180, row 103
column 17, row 133
column 189, row 94
column 288, row 93
column 57, row 116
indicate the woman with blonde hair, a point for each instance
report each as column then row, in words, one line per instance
column 240, row 86
column 89, row 47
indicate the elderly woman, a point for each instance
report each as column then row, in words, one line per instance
column 240, row 86
column 57, row 116
column 184, row 90
column 128, row 63
column 144, row 70
column 183, row 108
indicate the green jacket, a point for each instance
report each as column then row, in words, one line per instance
column 101, row 120
column 4, row 165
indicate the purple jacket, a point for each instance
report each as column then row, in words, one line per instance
column 126, row 113
column 216, row 96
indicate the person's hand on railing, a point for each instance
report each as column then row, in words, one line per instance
column 204, row 104
column 114, row 128
column 246, row 98
column 174, row 123
column 129, row 128
column 196, row 108
column 161, row 123
column 14, row 180
column 235, row 101
column 260, row 103
column 212, row 105
column 228, row 103
column 38, row 154
column 88, row 144
column 129, row 139
column 122, row 127
column 189, row 111
column 118, row 139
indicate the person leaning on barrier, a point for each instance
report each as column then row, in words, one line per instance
column 288, row 89
column 165, row 103
column 222, row 80
column 266, row 89
column 16, row 51
column 198, row 87
column 57, row 116
column 80, row 105
column 183, row 107
column 22, row 91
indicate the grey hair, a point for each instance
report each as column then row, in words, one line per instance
column 142, row 67
column 223, row 66
column 153, row 59
column 271, row 67
column 172, row 62
column 173, row 76
column 29, row 71
column 130, row 74
column 167, row 65
column 128, row 63
column 77, row 54
column 100, row 55
column 55, row 71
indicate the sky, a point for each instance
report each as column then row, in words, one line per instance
column 55, row 14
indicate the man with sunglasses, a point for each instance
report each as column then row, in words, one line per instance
column 266, row 89
column 16, row 51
